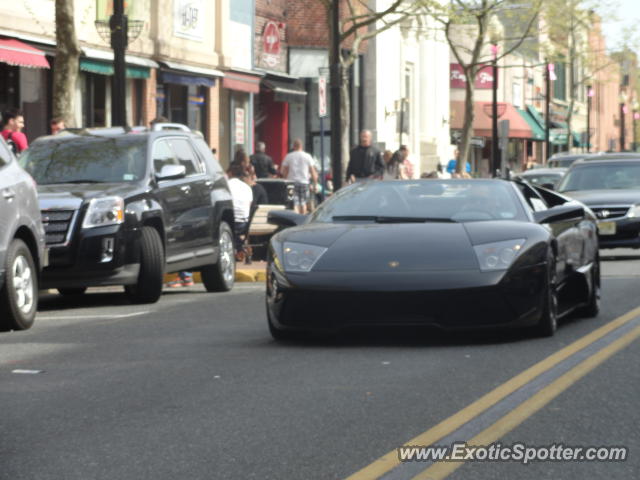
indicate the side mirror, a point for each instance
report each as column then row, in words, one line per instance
column 285, row 218
column 561, row 213
column 172, row 172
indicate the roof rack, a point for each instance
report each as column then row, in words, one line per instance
column 157, row 127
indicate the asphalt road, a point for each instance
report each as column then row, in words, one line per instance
column 194, row 387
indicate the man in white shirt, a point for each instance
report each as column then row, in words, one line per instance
column 298, row 167
column 242, row 196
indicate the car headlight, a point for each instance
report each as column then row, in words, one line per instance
column 104, row 211
column 299, row 257
column 634, row 211
column 498, row 255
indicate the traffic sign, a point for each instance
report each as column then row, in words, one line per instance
column 322, row 96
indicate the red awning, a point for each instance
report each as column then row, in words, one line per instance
column 241, row 82
column 518, row 127
column 19, row 54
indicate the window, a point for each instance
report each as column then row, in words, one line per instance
column 187, row 157
column 163, row 155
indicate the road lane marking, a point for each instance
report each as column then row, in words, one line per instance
column 525, row 410
column 390, row 461
column 92, row 317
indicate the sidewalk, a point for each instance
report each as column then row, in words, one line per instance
column 255, row 272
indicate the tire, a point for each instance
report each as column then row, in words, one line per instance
column 221, row 276
column 19, row 294
column 149, row 286
column 592, row 308
column 548, row 323
column 67, row 292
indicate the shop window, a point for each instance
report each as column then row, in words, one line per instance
column 178, row 103
column 9, row 87
column 94, row 108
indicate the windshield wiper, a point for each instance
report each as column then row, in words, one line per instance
column 82, row 181
column 388, row 219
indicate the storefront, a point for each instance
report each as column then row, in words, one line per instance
column 519, row 134
column 96, row 73
column 272, row 107
column 24, row 79
column 183, row 95
column 534, row 145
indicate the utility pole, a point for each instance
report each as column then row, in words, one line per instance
column 119, row 32
column 589, row 97
column 623, row 139
column 495, row 152
column 547, row 114
column 336, row 84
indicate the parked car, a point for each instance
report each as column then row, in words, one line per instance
column 543, row 177
column 447, row 253
column 610, row 186
column 123, row 208
column 564, row 159
column 22, row 244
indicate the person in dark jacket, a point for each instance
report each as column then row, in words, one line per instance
column 262, row 163
column 365, row 161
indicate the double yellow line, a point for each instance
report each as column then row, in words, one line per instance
column 519, row 414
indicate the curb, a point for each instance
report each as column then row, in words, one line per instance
column 242, row 275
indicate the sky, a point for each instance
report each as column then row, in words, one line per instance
column 628, row 15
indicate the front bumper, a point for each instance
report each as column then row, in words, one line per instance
column 511, row 300
column 627, row 234
column 80, row 264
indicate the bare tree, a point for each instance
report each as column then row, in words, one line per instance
column 359, row 23
column 469, row 27
column 65, row 73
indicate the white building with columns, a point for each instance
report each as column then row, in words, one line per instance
column 406, row 100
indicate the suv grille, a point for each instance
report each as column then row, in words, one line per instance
column 56, row 225
column 610, row 212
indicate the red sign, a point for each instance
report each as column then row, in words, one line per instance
column 484, row 77
column 271, row 38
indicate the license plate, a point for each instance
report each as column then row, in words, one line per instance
column 607, row 228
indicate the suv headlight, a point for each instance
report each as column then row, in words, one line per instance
column 498, row 255
column 300, row 257
column 634, row 211
column 104, row 211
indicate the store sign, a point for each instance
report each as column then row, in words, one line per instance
column 271, row 46
column 484, row 77
column 239, row 126
column 189, row 19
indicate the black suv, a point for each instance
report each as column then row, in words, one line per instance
column 124, row 207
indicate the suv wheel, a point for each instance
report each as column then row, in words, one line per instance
column 149, row 286
column 19, row 295
column 221, row 276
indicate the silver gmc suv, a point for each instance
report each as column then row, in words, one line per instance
column 22, row 244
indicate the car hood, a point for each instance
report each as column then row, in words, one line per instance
column 389, row 247
column 71, row 195
column 605, row 197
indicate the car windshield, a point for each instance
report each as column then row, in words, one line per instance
column 542, row 178
column 87, row 160
column 422, row 201
column 602, row 177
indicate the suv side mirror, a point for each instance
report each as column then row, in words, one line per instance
column 172, row 172
column 561, row 213
column 285, row 218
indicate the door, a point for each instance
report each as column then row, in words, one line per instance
column 175, row 197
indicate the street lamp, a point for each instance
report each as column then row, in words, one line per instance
column 623, row 111
column 636, row 117
column 547, row 108
column 590, row 94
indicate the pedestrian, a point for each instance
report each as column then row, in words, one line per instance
column 241, row 159
column 298, row 167
column 12, row 125
column 405, row 167
column 365, row 160
column 56, row 125
column 390, row 167
column 242, row 197
column 158, row 119
column 262, row 163
column 451, row 166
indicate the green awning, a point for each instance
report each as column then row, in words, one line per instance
column 105, row 68
column 537, row 116
column 537, row 132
